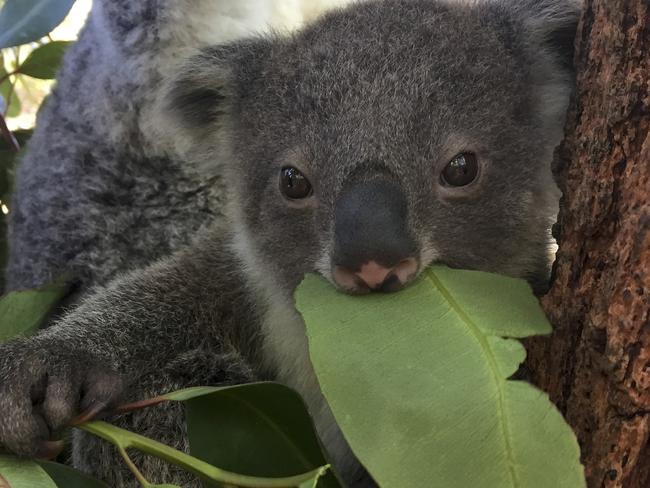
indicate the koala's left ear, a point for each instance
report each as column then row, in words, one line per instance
column 198, row 97
column 553, row 24
column 192, row 108
column 202, row 95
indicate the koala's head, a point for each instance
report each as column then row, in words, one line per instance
column 390, row 135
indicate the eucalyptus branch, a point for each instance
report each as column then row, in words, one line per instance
column 6, row 76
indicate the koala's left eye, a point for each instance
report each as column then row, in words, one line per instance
column 460, row 171
column 293, row 184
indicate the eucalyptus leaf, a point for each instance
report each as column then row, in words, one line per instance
column 21, row 135
column 9, row 158
column 10, row 99
column 23, row 21
column 66, row 477
column 418, row 382
column 44, row 61
column 23, row 312
column 260, row 429
column 20, row 473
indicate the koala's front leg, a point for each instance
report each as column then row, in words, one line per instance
column 131, row 330
column 44, row 384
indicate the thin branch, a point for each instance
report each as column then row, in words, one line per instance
column 4, row 77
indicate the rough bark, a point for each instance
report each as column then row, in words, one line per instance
column 596, row 365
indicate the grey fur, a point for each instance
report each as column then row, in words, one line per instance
column 392, row 87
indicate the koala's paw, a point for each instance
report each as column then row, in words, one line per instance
column 42, row 389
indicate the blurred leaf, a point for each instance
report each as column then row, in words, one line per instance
column 418, row 382
column 260, row 429
column 8, row 160
column 22, row 135
column 20, row 473
column 3, row 102
column 23, row 312
column 66, row 477
column 23, row 21
column 124, row 440
column 10, row 98
column 44, row 61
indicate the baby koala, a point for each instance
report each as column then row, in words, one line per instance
column 382, row 138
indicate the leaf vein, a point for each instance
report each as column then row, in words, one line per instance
column 487, row 350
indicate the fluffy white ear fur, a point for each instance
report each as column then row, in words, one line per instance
column 192, row 24
column 227, row 20
column 231, row 19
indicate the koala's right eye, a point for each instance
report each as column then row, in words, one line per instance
column 293, row 184
column 460, row 171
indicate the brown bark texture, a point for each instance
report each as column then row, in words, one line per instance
column 596, row 365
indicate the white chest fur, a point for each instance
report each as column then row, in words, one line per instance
column 285, row 350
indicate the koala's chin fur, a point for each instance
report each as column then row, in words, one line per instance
column 160, row 153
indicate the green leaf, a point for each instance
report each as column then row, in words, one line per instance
column 44, row 61
column 22, row 135
column 418, row 382
column 260, row 429
column 22, row 312
column 11, row 102
column 23, row 21
column 66, row 477
column 124, row 440
column 19, row 473
column 9, row 158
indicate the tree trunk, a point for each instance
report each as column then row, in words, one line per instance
column 596, row 365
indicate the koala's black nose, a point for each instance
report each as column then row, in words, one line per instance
column 373, row 249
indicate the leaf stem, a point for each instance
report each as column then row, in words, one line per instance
column 125, row 439
column 133, row 468
column 141, row 404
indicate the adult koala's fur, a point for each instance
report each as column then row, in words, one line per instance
column 371, row 103
column 102, row 188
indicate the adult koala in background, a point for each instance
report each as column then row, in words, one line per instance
column 101, row 189
column 376, row 141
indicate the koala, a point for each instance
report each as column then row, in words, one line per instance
column 381, row 138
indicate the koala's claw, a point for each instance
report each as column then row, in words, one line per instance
column 43, row 391
column 49, row 450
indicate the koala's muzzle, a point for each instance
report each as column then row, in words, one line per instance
column 373, row 249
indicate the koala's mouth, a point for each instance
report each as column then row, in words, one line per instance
column 373, row 276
